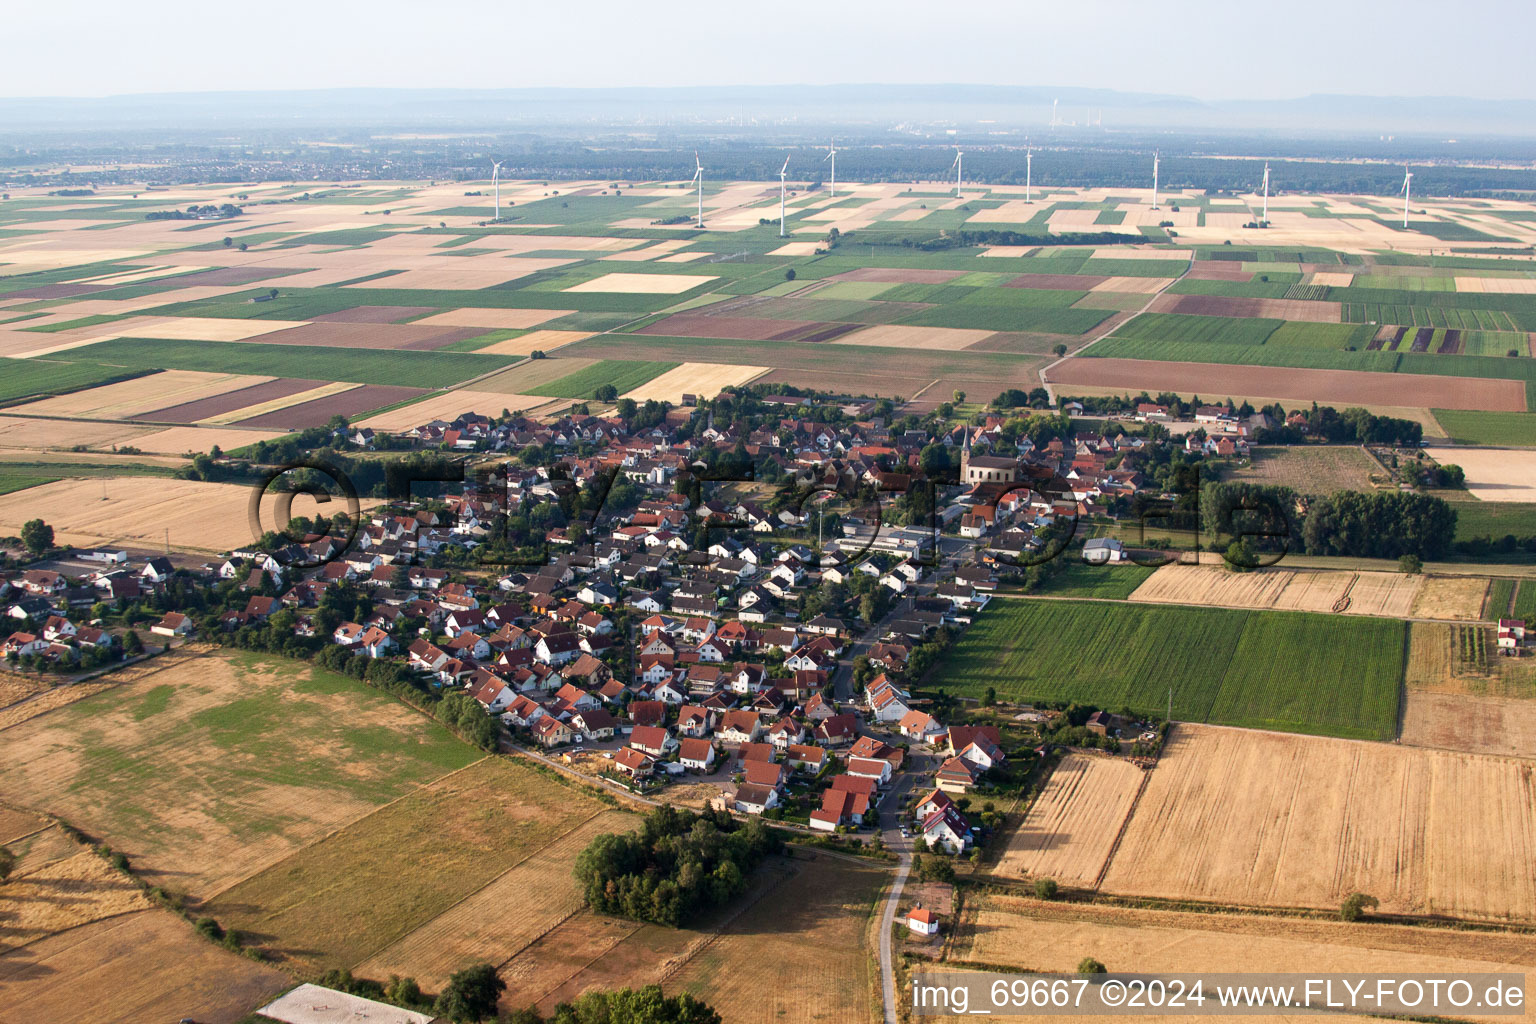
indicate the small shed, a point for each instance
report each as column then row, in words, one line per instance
column 922, row 921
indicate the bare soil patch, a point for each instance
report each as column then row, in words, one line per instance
column 1057, row 282
column 229, row 401
column 1474, row 724
column 350, row 403
column 1311, row 311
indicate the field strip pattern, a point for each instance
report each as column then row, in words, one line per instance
column 479, row 928
column 1058, row 838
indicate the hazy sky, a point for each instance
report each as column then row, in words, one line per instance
column 1202, row 48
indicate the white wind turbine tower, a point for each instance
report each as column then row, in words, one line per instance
column 1155, row 158
column 698, row 176
column 1407, row 191
column 496, row 185
column 782, row 171
column 1265, row 220
column 957, row 167
column 832, row 155
column 1029, row 166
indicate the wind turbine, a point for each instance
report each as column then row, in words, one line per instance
column 782, row 171
column 958, row 169
column 832, row 155
column 1407, row 191
column 1155, row 158
column 698, row 176
column 496, row 185
column 1265, row 221
column 1054, row 119
column 1029, row 164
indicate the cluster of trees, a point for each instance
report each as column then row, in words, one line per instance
column 196, row 212
column 1381, row 524
column 1014, row 398
column 677, row 865
column 629, row 1006
column 966, row 239
column 1349, row 426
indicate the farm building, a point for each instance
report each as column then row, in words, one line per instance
column 1103, row 551
column 922, row 921
column 314, row 1004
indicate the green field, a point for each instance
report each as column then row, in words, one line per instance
column 1295, row 672
column 28, row 378
column 1079, row 579
column 361, row 366
column 1492, row 428
column 623, row 374
column 1500, row 593
column 1525, row 602
column 1177, row 327
column 1494, row 519
column 1296, row 334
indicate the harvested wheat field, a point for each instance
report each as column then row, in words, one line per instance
column 1214, row 586
column 477, row 929
column 199, row 328
column 706, row 380
column 1384, row 593
column 642, row 284
column 58, row 697
column 449, row 405
column 208, row 766
column 1304, row 590
column 522, row 378
column 41, row 848
column 179, row 440
column 1450, row 597
column 534, row 341
column 146, row 967
column 130, row 398
column 491, row 319
column 1257, row 818
column 139, row 509
column 1476, row 724
column 1494, row 474
column 1025, row 933
column 272, row 405
column 15, row 687
column 929, row 339
column 64, row 894
column 809, row 917
column 1062, row 836
column 42, row 434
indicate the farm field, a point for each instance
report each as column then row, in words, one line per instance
column 1450, row 597
column 1494, row 519
column 1309, row 470
column 1492, row 428
column 1021, row 933
column 1304, row 590
column 810, row 916
column 624, row 376
column 1460, row 660
column 354, row 893
column 1494, row 474
column 477, row 929
column 1501, row 726
column 200, row 516
column 144, row 966
column 1110, row 582
column 1062, row 836
column 205, row 766
column 1272, row 670
column 1218, row 822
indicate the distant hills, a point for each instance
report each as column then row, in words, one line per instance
column 909, row 109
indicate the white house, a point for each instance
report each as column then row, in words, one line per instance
column 1103, row 551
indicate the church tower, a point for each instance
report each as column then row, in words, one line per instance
column 965, row 458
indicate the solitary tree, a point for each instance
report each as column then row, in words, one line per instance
column 1060, row 350
column 959, row 396
column 1088, row 965
column 7, row 863
column 606, row 393
column 1355, row 905
column 1411, row 564
column 1045, row 888
column 470, row 995
column 132, row 644
column 789, row 275
column 37, row 536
